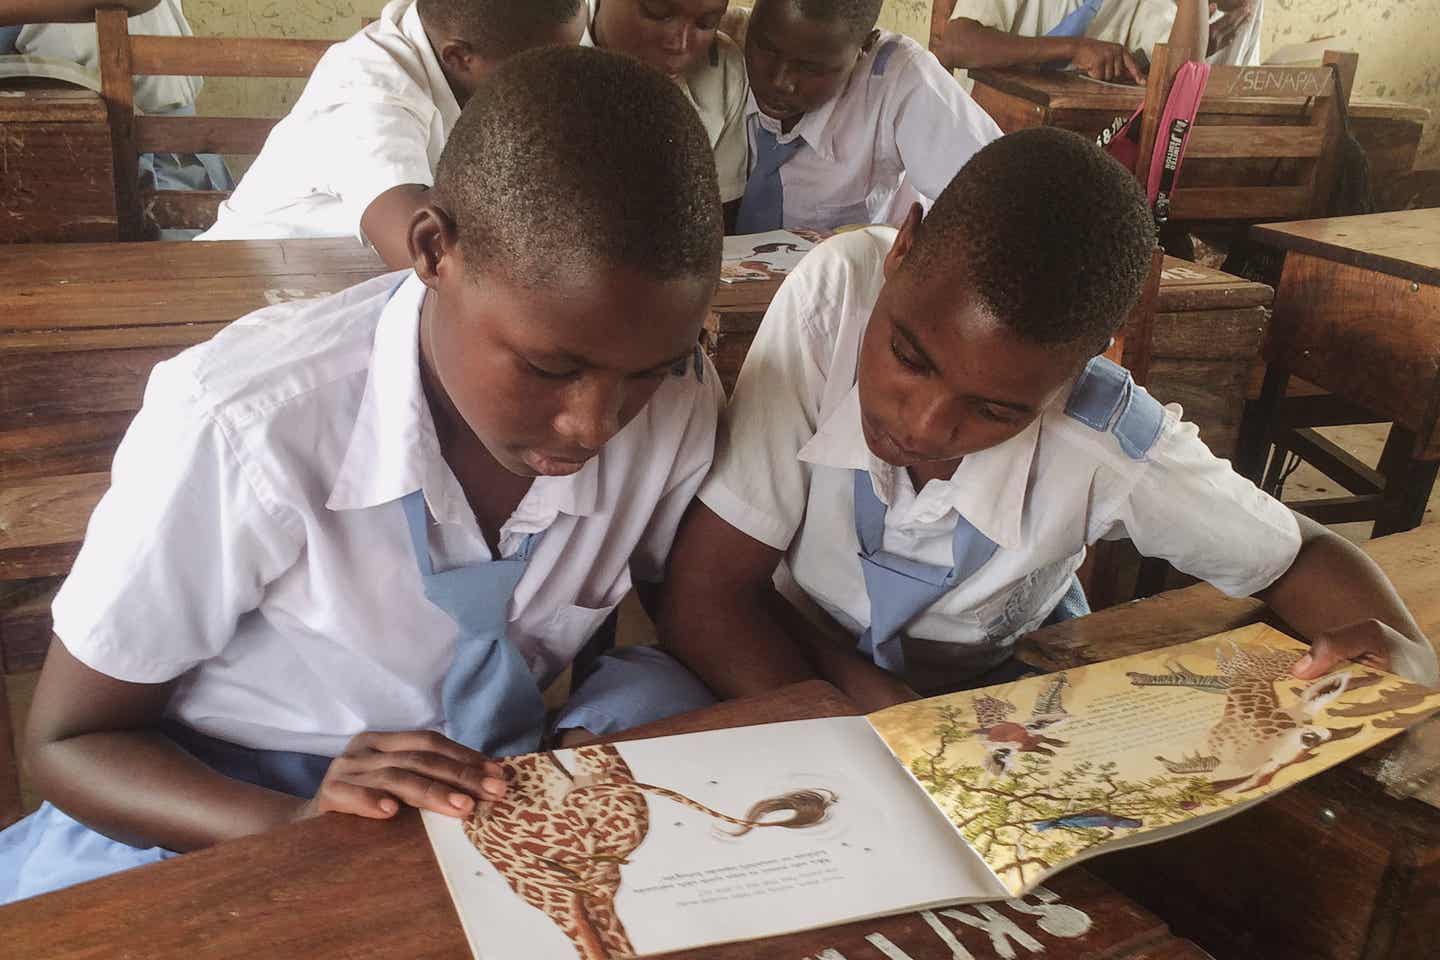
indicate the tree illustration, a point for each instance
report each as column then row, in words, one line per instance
column 1016, row 820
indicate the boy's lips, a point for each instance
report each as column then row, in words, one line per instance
column 774, row 110
column 554, row 465
column 884, row 445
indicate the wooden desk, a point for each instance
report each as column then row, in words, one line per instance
column 1389, row 130
column 342, row 886
column 1207, row 334
column 1334, row 869
column 56, row 178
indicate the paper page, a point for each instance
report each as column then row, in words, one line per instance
column 631, row 849
column 762, row 256
column 1043, row 772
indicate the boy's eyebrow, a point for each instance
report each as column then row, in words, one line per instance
column 584, row 363
column 914, row 342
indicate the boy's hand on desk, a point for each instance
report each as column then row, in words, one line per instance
column 1372, row 644
column 379, row 771
column 1105, row 61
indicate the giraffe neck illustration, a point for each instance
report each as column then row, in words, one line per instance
column 560, row 837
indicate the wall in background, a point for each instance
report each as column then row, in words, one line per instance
column 1396, row 40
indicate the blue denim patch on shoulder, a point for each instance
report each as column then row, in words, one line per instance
column 882, row 58
column 1105, row 398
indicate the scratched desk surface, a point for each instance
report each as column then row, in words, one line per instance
column 343, row 886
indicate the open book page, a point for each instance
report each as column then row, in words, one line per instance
column 1043, row 772
column 763, row 256
column 680, row 842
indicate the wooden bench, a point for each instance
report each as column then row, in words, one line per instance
column 123, row 56
column 58, row 182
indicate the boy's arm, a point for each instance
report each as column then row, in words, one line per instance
column 17, row 12
column 1190, row 35
column 386, row 222
column 1341, row 600
column 969, row 44
column 722, row 616
column 93, row 748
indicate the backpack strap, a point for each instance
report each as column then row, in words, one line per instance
column 1106, row 399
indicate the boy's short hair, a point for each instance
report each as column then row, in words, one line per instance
column 568, row 157
column 1050, row 233
column 499, row 28
column 860, row 15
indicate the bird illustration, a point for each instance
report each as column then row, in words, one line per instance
column 1004, row 738
column 1088, row 820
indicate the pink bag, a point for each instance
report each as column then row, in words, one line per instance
column 1123, row 141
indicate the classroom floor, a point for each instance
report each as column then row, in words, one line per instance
column 1306, row 483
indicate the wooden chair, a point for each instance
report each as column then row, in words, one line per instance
column 123, row 56
column 1280, row 126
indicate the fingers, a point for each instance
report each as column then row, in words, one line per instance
column 1131, row 67
column 1365, row 640
column 379, row 771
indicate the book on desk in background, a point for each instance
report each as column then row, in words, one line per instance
column 764, row 256
column 680, row 842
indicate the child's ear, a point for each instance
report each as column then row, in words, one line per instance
column 869, row 41
column 904, row 240
column 433, row 241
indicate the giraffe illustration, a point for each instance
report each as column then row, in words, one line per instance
column 1005, row 738
column 560, row 837
column 1255, row 738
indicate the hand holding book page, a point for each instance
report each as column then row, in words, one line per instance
column 681, row 842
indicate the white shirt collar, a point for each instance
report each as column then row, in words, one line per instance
column 988, row 488
column 813, row 127
column 440, row 90
column 393, row 447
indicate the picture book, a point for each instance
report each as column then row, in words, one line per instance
column 763, row 256
column 674, row 843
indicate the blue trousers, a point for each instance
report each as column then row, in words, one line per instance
column 49, row 850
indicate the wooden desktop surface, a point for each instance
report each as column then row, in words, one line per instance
column 344, row 886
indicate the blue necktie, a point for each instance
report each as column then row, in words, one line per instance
column 491, row 700
column 898, row 587
column 1077, row 21
column 763, row 206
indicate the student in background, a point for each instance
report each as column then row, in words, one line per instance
column 345, row 525
column 847, row 124
column 356, row 154
column 65, row 30
column 923, row 441
column 680, row 38
column 1098, row 37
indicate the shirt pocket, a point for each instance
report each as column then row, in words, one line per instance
column 572, row 624
column 1020, row 607
column 830, row 216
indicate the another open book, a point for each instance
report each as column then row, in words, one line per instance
column 764, row 256
column 685, row 841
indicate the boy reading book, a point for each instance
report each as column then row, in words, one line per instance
column 847, row 124
column 356, row 154
column 348, row 541
column 681, row 38
column 1098, row 37
column 923, row 441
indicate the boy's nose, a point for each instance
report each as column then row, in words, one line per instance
column 679, row 39
column 591, row 418
column 784, row 79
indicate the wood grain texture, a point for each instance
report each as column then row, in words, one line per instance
column 181, row 209
column 342, row 886
column 117, row 86
column 1402, row 244
column 58, row 183
column 42, row 523
column 11, row 807
column 226, row 56
column 242, row 135
column 1368, row 337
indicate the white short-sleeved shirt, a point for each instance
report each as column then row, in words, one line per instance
column 900, row 119
column 374, row 115
column 1138, row 24
column 78, row 43
column 791, row 438
column 251, row 542
column 718, row 89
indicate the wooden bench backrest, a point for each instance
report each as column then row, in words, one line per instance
column 122, row 57
column 1281, row 124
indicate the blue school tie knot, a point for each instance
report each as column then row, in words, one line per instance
column 900, row 588
column 490, row 698
column 763, row 206
column 1077, row 21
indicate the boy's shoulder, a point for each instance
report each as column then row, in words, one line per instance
column 847, row 266
column 1108, row 417
column 382, row 60
column 895, row 58
column 266, row 360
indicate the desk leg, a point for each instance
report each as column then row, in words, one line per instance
column 1257, row 424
